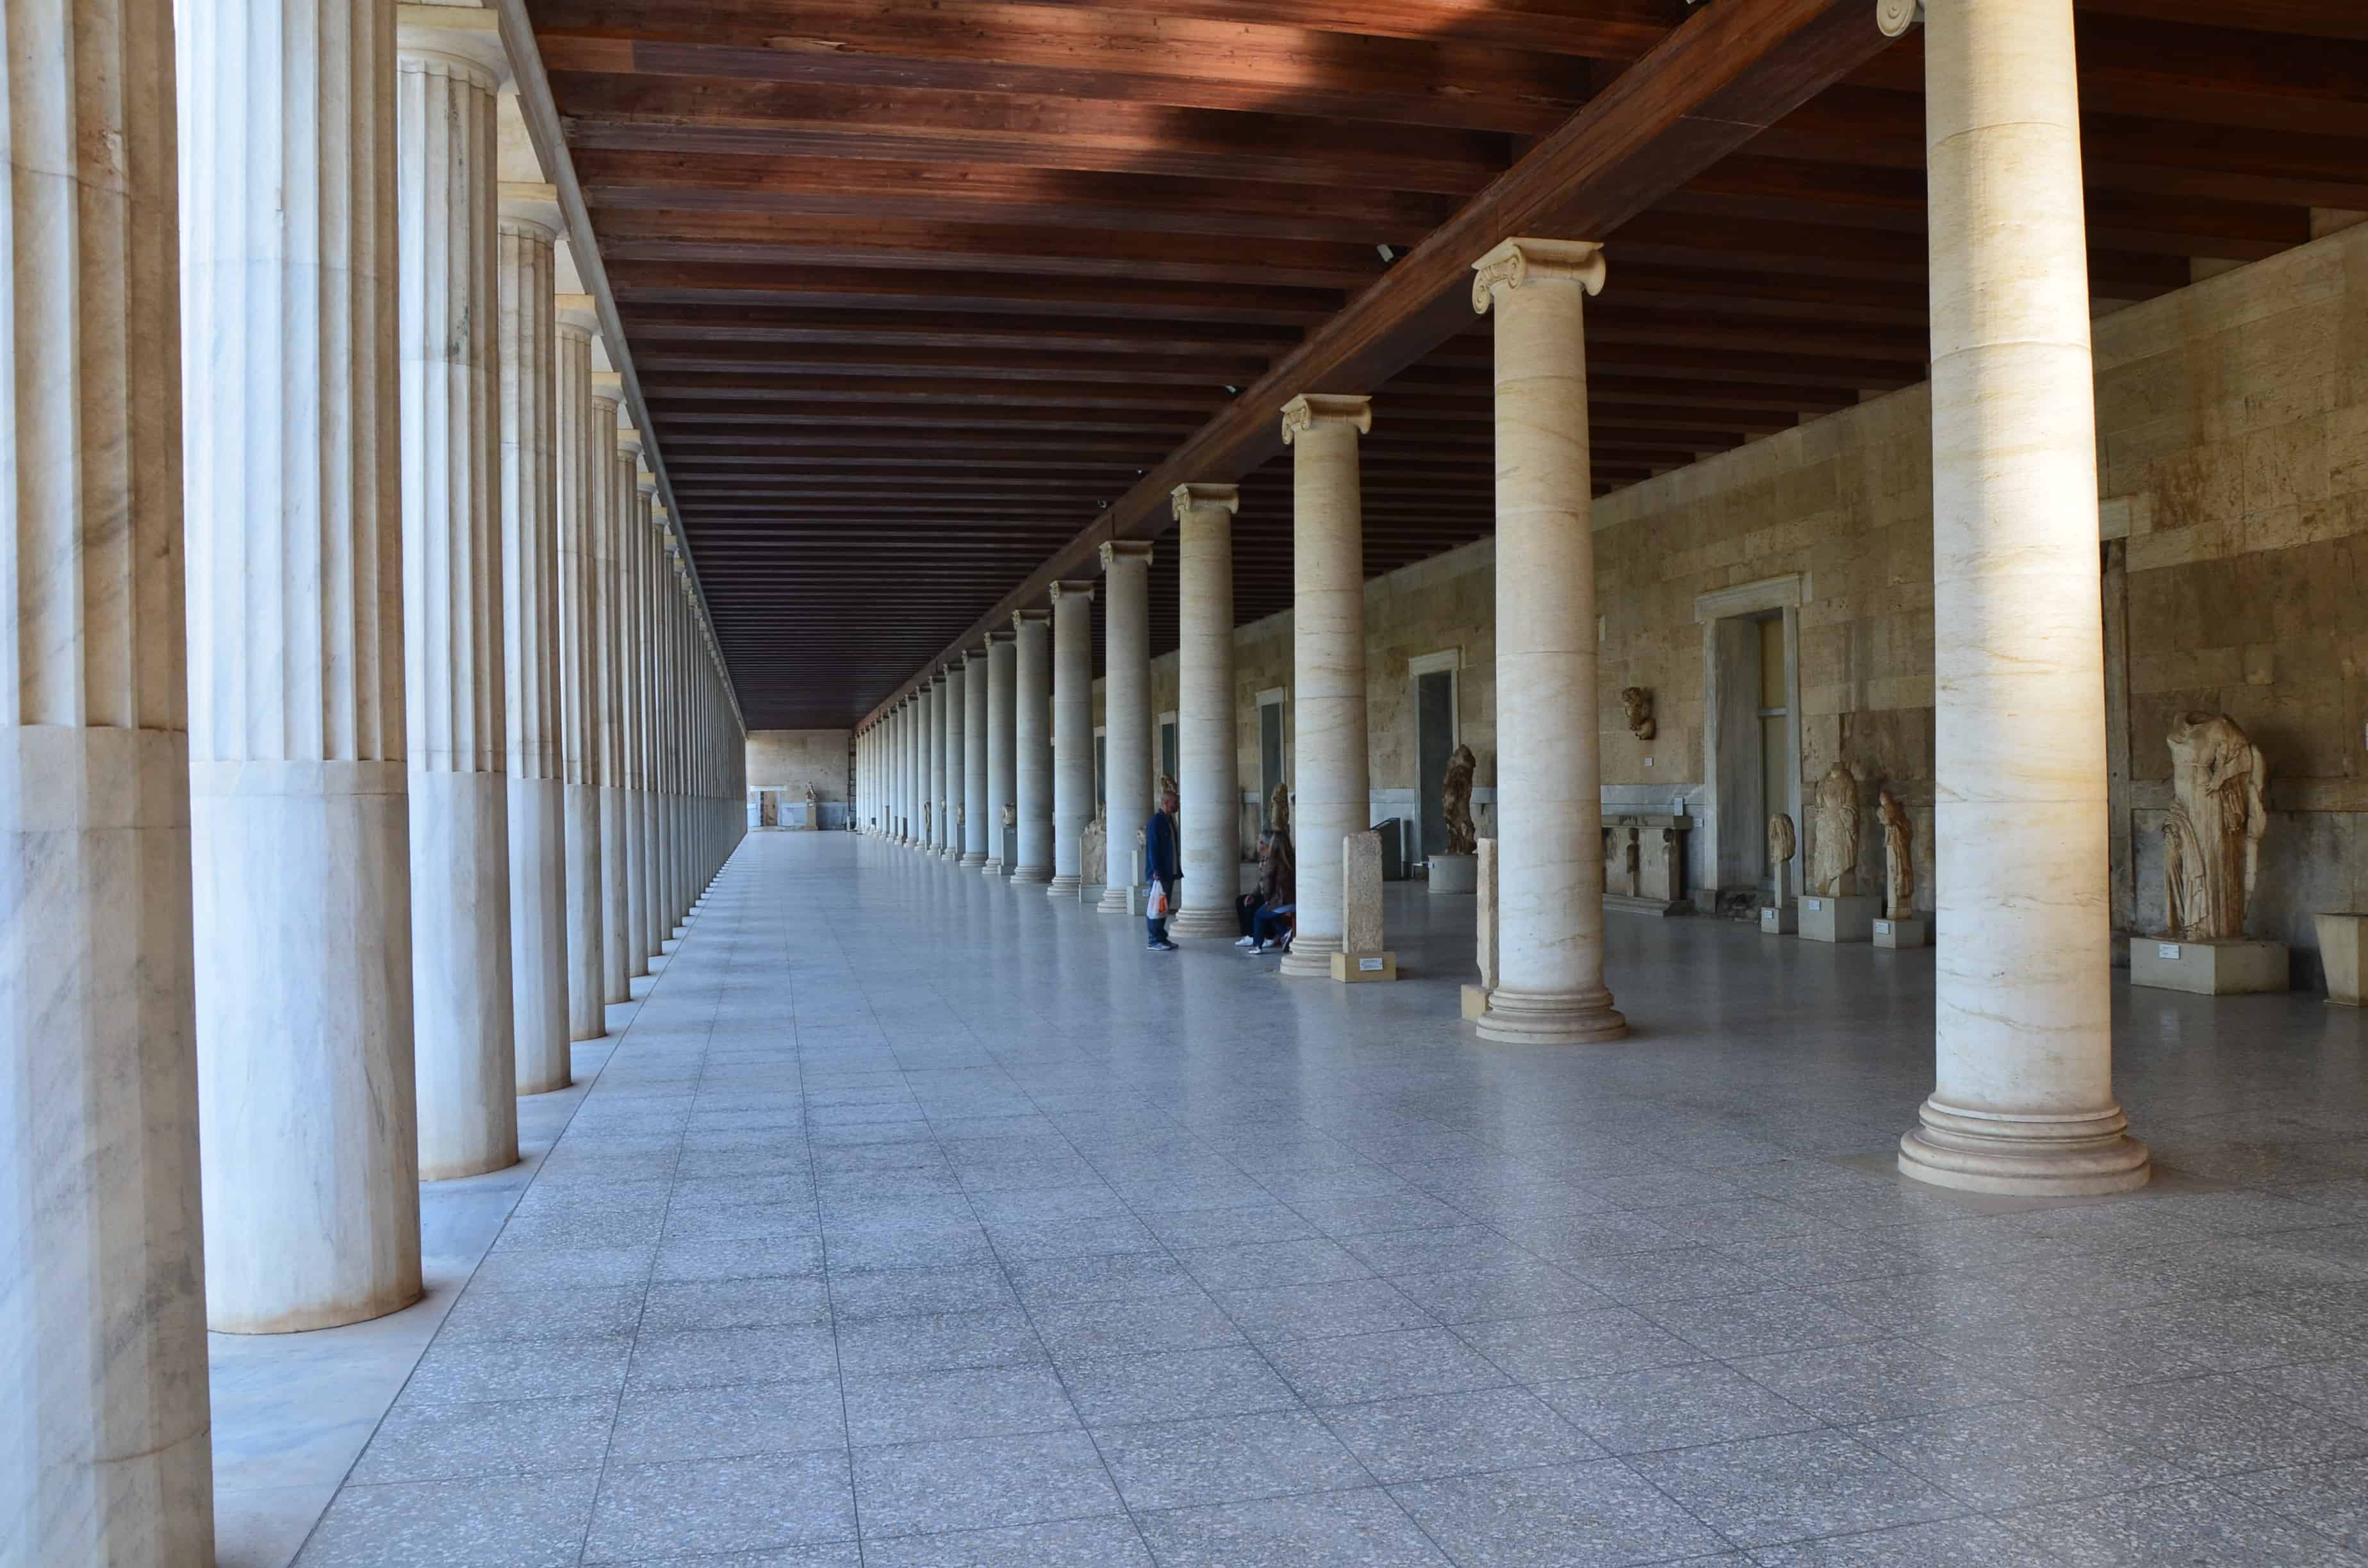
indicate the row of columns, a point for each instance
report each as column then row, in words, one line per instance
column 364, row 736
column 2024, row 1099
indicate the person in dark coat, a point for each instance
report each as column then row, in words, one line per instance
column 1162, row 862
column 1266, row 913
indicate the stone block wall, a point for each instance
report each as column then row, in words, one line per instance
column 788, row 760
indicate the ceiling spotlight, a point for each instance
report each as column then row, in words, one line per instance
column 1232, row 391
column 1387, row 253
column 1102, row 506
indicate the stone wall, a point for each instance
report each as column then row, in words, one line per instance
column 788, row 760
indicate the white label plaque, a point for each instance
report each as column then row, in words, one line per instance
column 1813, row 904
column 2166, row 950
column 1369, row 966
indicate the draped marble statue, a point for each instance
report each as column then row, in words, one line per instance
column 1093, row 847
column 1898, row 858
column 2212, row 840
column 1833, row 855
column 1781, row 847
column 1455, row 800
column 1277, row 808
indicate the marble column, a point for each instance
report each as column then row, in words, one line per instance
column 1002, row 743
column 925, row 773
column 607, row 522
column 1072, row 729
column 298, row 823
column 650, row 888
column 453, row 679
column 1031, row 743
column 940, row 706
column 975, row 816
column 1205, row 743
column 530, row 654
column 957, row 714
column 1327, row 657
column 578, row 495
column 104, row 1457
column 1126, row 694
column 632, row 865
column 1550, row 986
column 2023, row 1098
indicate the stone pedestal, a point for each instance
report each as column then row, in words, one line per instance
column 1475, row 997
column 1899, row 934
column 1779, row 919
column 2343, row 950
column 1848, row 918
column 1644, row 863
column 2230, row 968
column 1455, row 873
column 1362, row 955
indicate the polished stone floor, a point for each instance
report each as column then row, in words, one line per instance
column 919, row 1221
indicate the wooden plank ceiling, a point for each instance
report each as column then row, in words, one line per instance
column 917, row 290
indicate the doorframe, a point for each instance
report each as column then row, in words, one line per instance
column 1448, row 661
column 1736, row 843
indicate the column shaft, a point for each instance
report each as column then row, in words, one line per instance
column 957, row 712
column 1002, row 743
column 608, row 616
column 2023, row 1100
column 1205, row 742
column 1072, row 729
column 1126, row 699
column 632, row 694
column 104, row 1453
column 975, row 815
column 578, row 491
column 1032, row 743
column 649, row 888
column 531, row 693
column 1327, row 649
column 299, row 828
column 1549, row 797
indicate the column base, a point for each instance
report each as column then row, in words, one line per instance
column 1310, row 957
column 1551, row 1018
column 1062, row 886
column 1201, row 920
column 1030, row 875
column 991, row 867
column 1118, row 898
column 2025, row 1155
column 949, row 853
column 972, row 860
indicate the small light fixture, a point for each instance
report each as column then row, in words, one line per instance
column 1232, row 391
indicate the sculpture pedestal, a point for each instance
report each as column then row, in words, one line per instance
column 1848, row 918
column 1455, row 873
column 2344, row 948
column 2229, row 968
column 1899, row 932
column 1475, row 1003
column 1644, row 863
column 1351, row 969
column 1779, row 919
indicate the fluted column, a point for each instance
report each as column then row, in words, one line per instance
column 453, row 679
column 1327, row 656
column 1002, row 743
column 1073, row 729
column 649, row 885
column 1126, row 692
column 299, row 867
column 577, row 494
column 957, row 714
column 974, row 817
column 1032, row 743
column 2024, row 1101
column 530, row 651
column 1204, row 718
column 1548, row 800
column 104, row 1456
column 935, row 743
column 607, row 523
column 632, row 866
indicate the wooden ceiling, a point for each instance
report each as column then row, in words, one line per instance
column 924, row 296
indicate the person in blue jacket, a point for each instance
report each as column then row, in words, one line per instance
column 1164, row 864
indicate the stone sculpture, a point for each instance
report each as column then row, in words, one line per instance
column 1277, row 808
column 1833, row 857
column 1010, row 813
column 1898, row 858
column 925, row 819
column 1455, row 800
column 2212, row 840
column 810, row 792
column 1638, row 700
column 1093, row 849
column 1782, row 845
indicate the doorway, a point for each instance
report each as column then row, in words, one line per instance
column 768, row 808
column 1167, row 766
column 1751, row 700
column 1270, row 768
column 1434, row 678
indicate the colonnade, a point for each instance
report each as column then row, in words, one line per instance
column 365, row 736
column 2023, row 1102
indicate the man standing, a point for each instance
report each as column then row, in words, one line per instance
column 1163, row 868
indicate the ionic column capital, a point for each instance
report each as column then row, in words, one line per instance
column 629, row 442
column 1894, row 17
column 1184, row 497
column 644, row 480
column 576, row 313
column 608, row 387
column 999, row 635
column 978, row 652
column 1113, row 549
column 1520, row 261
column 1023, row 619
column 455, row 39
column 1060, row 591
column 531, row 206
column 1311, row 409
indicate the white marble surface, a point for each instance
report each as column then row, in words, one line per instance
column 1549, row 804
column 300, row 882
column 1032, row 744
column 1002, row 753
column 2024, row 1099
column 957, row 756
column 1204, row 719
column 975, row 818
column 1126, row 697
column 1073, row 729
column 606, row 521
column 1327, row 641
column 577, row 514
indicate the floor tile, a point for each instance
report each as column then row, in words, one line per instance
column 1881, row 1381
column 1177, row 1465
column 914, row 1408
column 712, row 1506
column 1577, row 1345
column 1763, row 1491
column 2015, row 1456
column 1071, row 1543
column 2195, row 1524
column 980, row 1483
column 1085, row 1330
column 1950, row 1544
column 2218, row 1425
column 731, row 1422
column 1329, row 1529
column 1673, row 1407
column 516, row 1522
column 1580, row 1516
column 710, row 1357
column 996, row 1336
column 481, row 1441
column 1376, row 1366
column 1431, row 1435
column 1175, row 1385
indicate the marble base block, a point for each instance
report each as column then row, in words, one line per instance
column 1475, row 1003
column 1850, row 918
column 2343, row 948
column 1454, row 873
column 1353, row 968
column 1779, row 919
column 2209, row 969
column 1899, row 932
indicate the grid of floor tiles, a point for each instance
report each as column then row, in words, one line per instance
column 921, row 1220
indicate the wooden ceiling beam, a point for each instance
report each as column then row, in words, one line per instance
column 862, row 288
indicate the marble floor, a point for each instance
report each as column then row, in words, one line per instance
column 916, row 1220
